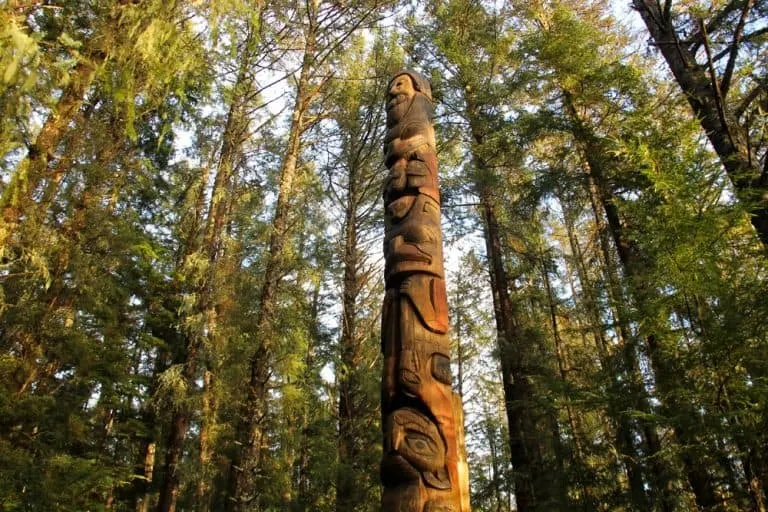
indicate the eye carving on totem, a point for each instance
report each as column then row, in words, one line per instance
column 417, row 440
column 420, row 444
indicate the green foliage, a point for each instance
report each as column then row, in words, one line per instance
column 142, row 149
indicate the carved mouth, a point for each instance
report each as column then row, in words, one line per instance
column 396, row 100
column 406, row 251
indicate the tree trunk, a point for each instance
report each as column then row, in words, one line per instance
column 348, row 498
column 750, row 458
column 563, row 368
column 518, row 390
column 625, row 433
column 664, row 482
column 169, row 491
column 496, row 477
column 207, row 421
column 536, row 488
column 17, row 197
column 587, row 287
column 233, row 138
column 147, row 471
column 141, row 492
column 242, row 477
column 303, row 500
column 31, row 171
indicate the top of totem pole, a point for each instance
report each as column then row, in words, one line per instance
column 420, row 82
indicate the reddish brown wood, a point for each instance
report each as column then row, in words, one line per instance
column 423, row 468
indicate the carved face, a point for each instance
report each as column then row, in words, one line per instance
column 412, row 240
column 401, row 92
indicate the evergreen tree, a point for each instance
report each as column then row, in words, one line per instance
column 190, row 270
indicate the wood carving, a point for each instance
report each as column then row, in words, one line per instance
column 423, row 468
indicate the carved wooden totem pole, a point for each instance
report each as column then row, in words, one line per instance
column 424, row 467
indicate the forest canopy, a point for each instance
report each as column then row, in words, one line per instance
column 191, row 268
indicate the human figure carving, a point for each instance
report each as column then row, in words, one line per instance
column 422, row 469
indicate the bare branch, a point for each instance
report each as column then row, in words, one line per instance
column 748, row 99
column 726, row 82
column 697, row 39
column 744, row 39
column 715, row 82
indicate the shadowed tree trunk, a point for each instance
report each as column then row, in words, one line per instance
column 563, row 366
column 142, row 486
column 234, row 136
column 348, row 384
column 348, row 497
column 535, row 486
column 361, row 149
column 250, row 432
column 529, row 470
column 624, row 431
column 664, row 481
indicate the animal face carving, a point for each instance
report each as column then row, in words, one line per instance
column 417, row 440
column 412, row 240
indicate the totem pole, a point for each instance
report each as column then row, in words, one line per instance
column 424, row 467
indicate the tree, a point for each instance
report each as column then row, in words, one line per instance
column 190, row 279
column 475, row 57
column 202, row 252
column 725, row 98
column 323, row 29
column 353, row 182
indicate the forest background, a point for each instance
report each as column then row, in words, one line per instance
column 191, row 270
